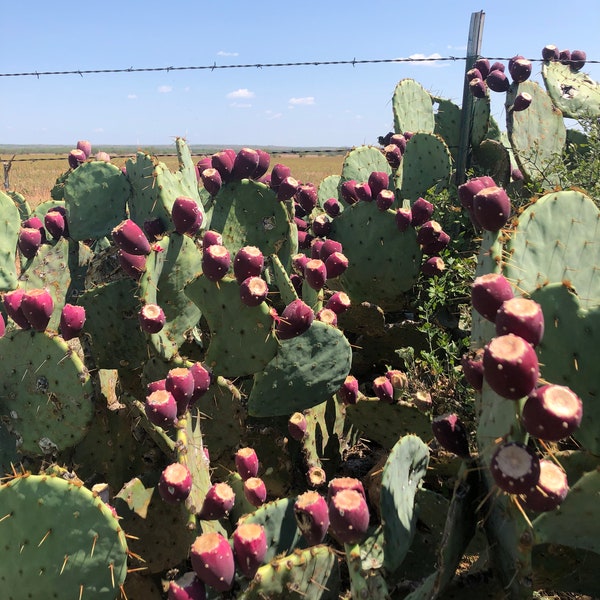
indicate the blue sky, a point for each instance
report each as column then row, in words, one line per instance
column 296, row 106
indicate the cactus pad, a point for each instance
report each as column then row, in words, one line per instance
column 412, row 106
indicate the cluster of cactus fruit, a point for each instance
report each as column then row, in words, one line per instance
column 163, row 330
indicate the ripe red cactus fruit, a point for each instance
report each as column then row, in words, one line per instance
column 551, row 489
column 312, row 517
column 348, row 516
column 129, row 237
column 383, row 389
column 344, row 483
column 435, row 247
column 37, row 306
column 76, row 157
column 133, row 264
column 264, row 160
column 218, row 502
column 421, row 212
column 202, row 380
column 212, row 560
column 385, row 200
column 103, row 156
column 348, row 191
column 363, row 191
column 299, row 261
column 2, row 326
column 433, row 266
column 578, row 58
column 187, row 587
column 399, row 140
column 348, row 392
column 12, row 304
column 72, row 319
column 85, row 146
column 159, row 384
column 245, row 164
column 451, row 434
column 403, row 219
column 550, row 52
column 339, row 302
column 473, row 74
column 332, row 207
column 329, row 246
column 248, row 262
column 246, row 463
column 180, row 382
column 29, row 241
column 305, row 240
column 393, row 155
column 523, row 317
column 154, row 229
column 249, row 548
column 564, row 56
column 497, row 66
column 467, row 190
column 472, row 366
column 278, row 174
column 255, row 491
column 307, row 197
column 515, row 468
column 152, row 318
column 287, row 189
column 315, row 273
column 552, row 412
column 488, row 292
column 211, row 238
column 301, row 224
column 294, row 320
column 35, row 223
column 397, row 378
column 428, row 233
column 520, row 69
column 510, row 366
column 522, row 101
column 378, row 181
column 335, row 265
column 253, row 291
column 216, row 262
column 223, row 163
column 186, row 215
column 211, row 180
column 161, row 408
column 492, row 208
column 483, row 66
column 297, row 426
column 478, row 88
column 56, row 224
column 326, row 315
column 175, row 483
column 321, row 225
column 497, row 81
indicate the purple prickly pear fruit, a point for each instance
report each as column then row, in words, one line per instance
column 103, row 156
column 85, row 146
column 264, row 160
column 578, row 58
column 295, row 319
column 72, row 319
column 550, row 52
column 328, row 247
column 473, row 74
column 152, row 318
column 510, row 366
column 175, row 483
column 378, row 181
column 338, row 484
column 397, row 378
column 129, row 237
column 154, row 229
column 552, row 412
column 478, row 88
column 133, row 264
column 497, row 81
column 248, row 262
column 348, row 192
column 516, row 174
column 451, row 434
column 383, row 389
column 511, row 61
column 522, row 101
column 393, row 155
column 483, row 66
column 223, row 163
column 305, row 240
column 332, row 207
column 299, row 261
column 56, row 224
column 520, row 70
column 37, row 306
column 278, row 174
column 321, row 225
column 363, row 191
column 218, row 502
column 550, row 490
column 212, row 560
column 253, row 291
column 436, row 246
column 216, row 261
column 348, row 516
column 492, row 208
column 326, row 315
column 335, row 265
column 35, row 223
column 488, row 292
column 187, row 587
column 211, row 180
column 467, row 190
column 12, row 304
column 211, row 238
column 339, row 302
column 76, row 157
column 153, row 386
column 312, row 517
column 297, row 426
column 315, row 247
column 249, row 547
column 287, row 189
column 161, row 408
column 186, row 215
column 564, row 56
column 348, row 392
column 433, row 266
column 180, row 382
column 245, row 164
column 403, row 219
column 515, row 468
column 472, row 366
column 385, row 199
column 299, row 211
column 522, row 317
column 29, row 241
column 255, row 491
column 497, row 66
column 428, row 233
column 421, row 212
column 315, row 273
column 246, row 463
column 202, row 380
column 2, row 326
column 399, row 140
column 307, row 197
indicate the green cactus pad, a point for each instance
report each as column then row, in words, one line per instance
column 21, row 203
column 287, row 291
column 58, row 541
column 447, row 123
column 480, row 126
column 537, row 134
column 45, row 392
column 494, row 158
column 329, row 188
column 360, row 162
column 413, row 109
column 383, row 262
column 574, row 93
column 241, row 341
column 96, row 195
column 9, row 232
column 306, row 370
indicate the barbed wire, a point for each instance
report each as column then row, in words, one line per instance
column 215, row 66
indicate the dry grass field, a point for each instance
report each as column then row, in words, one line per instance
column 33, row 175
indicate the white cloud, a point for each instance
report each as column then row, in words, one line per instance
column 131, row 96
column 240, row 105
column 164, row 89
column 463, row 48
column 223, row 53
column 429, row 60
column 241, row 93
column 306, row 101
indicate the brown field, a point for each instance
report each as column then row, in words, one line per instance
column 33, row 175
